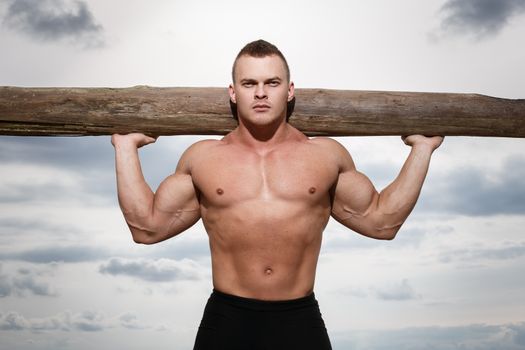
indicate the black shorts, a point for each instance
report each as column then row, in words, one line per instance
column 234, row 323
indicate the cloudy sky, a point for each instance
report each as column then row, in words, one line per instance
column 70, row 275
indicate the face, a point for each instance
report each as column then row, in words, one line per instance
column 261, row 90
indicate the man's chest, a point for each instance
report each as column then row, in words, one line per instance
column 225, row 176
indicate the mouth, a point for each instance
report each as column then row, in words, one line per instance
column 260, row 107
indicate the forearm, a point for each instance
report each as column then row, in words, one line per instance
column 398, row 199
column 134, row 195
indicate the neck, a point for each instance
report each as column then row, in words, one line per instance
column 262, row 137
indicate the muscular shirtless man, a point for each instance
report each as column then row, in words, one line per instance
column 265, row 193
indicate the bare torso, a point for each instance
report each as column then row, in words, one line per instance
column 265, row 213
column 265, row 191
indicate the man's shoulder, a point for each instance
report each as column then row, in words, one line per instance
column 327, row 143
column 197, row 152
column 202, row 146
column 335, row 151
column 319, row 141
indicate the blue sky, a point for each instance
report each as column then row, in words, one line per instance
column 70, row 275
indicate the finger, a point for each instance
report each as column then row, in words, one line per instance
column 407, row 140
column 114, row 138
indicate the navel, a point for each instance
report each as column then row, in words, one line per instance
column 220, row 191
column 268, row 271
column 312, row 190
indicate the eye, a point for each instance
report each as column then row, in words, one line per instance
column 247, row 84
column 274, row 83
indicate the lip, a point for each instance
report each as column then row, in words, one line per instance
column 261, row 107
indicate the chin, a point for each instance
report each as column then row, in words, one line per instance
column 266, row 120
column 259, row 118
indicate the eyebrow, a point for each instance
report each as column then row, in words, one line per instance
column 251, row 80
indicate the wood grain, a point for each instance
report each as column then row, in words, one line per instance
column 205, row 111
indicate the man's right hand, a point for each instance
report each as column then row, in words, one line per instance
column 136, row 139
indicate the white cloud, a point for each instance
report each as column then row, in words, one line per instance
column 470, row 337
column 85, row 321
column 25, row 282
column 130, row 320
column 49, row 254
column 161, row 270
column 478, row 190
column 397, row 291
column 483, row 254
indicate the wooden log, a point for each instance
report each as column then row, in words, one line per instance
column 206, row 111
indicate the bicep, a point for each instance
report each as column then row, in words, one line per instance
column 353, row 193
column 356, row 206
column 354, row 197
column 175, row 206
column 355, row 201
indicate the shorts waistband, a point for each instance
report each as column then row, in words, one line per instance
column 263, row 305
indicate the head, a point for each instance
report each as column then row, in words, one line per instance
column 260, row 74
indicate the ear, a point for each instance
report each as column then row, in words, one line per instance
column 231, row 91
column 291, row 91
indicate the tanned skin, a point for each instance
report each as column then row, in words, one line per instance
column 265, row 191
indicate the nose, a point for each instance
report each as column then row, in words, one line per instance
column 260, row 91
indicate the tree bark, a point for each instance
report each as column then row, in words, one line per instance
column 206, row 111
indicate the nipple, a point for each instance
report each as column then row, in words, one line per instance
column 268, row 271
column 312, row 190
column 220, row 191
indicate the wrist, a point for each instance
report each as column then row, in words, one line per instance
column 125, row 144
column 423, row 147
column 123, row 141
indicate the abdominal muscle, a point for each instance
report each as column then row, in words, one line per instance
column 265, row 250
